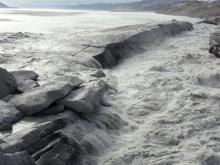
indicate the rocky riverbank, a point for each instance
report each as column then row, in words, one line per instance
column 66, row 119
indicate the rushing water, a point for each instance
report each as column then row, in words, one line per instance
column 159, row 95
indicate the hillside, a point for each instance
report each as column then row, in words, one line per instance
column 2, row 5
column 174, row 7
column 196, row 9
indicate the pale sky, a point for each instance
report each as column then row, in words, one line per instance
column 41, row 2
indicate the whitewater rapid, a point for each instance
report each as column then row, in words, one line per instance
column 169, row 96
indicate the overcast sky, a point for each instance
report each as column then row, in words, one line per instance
column 37, row 2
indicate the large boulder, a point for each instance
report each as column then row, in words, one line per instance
column 35, row 100
column 86, row 99
column 214, row 44
column 8, row 114
column 20, row 158
column 8, row 83
column 25, row 79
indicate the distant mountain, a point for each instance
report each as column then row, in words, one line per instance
column 203, row 8
column 197, row 9
column 95, row 6
column 2, row 5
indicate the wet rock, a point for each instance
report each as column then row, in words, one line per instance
column 86, row 138
column 23, row 75
column 27, row 85
column 40, row 98
column 104, row 120
column 8, row 114
column 20, row 158
column 52, row 110
column 5, row 126
column 214, row 44
column 139, row 42
column 35, row 138
column 25, row 79
column 86, row 99
column 212, row 21
column 62, row 153
column 98, row 74
column 8, row 83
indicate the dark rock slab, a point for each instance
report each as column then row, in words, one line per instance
column 139, row 42
column 214, row 44
column 6, row 126
column 40, row 98
column 86, row 99
column 61, row 153
column 35, row 138
column 8, row 83
column 8, row 114
column 20, row 158
column 52, row 110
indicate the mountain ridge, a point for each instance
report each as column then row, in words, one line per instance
column 174, row 7
column 2, row 5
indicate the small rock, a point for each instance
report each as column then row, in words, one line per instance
column 214, row 44
column 98, row 74
column 8, row 83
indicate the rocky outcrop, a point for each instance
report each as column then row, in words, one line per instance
column 40, row 98
column 140, row 42
column 69, row 125
column 214, row 44
column 8, row 83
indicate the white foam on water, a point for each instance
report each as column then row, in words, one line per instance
column 169, row 95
